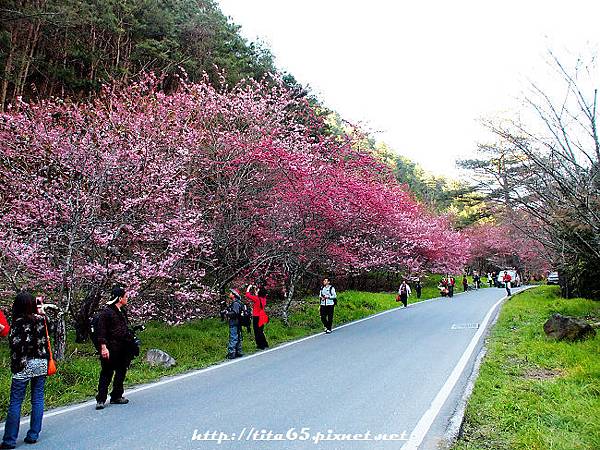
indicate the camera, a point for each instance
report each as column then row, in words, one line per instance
column 42, row 307
column 223, row 310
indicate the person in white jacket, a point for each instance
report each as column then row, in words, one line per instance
column 404, row 293
column 328, row 300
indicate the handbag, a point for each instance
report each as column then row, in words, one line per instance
column 398, row 298
column 51, row 362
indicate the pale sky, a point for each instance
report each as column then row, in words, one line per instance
column 422, row 73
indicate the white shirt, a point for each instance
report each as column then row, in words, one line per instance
column 327, row 295
column 407, row 289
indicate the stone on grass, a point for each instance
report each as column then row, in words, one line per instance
column 568, row 328
column 156, row 357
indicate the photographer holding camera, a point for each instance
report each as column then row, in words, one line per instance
column 117, row 348
column 233, row 314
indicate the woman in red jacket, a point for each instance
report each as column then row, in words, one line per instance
column 259, row 316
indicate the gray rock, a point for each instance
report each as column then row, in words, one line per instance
column 156, row 357
column 568, row 328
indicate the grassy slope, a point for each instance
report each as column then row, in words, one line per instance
column 194, row 345
column 534, row 392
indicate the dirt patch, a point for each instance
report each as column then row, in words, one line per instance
column 539, row 373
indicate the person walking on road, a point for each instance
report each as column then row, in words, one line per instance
column 328, row 300
column 476, row 280
column 451, row 284
column 404, row 293
column 418, row 288
column 506, row 279
column 465, row 283
column 115, row 341
column 234, row 346
column 29, row 357
column 490, row 279
column 259, row 316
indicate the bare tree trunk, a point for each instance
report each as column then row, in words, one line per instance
column 60, row 337
column 289, row 296
column 8, row 69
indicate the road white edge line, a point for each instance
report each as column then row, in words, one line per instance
column 172, row 379
column 422, row 427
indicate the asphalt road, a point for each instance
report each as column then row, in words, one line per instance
column 378, row 382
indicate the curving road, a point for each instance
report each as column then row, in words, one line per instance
column 390, row 381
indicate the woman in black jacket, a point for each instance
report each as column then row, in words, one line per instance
column 28, row 362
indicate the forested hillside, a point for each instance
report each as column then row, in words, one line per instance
column 70, row 48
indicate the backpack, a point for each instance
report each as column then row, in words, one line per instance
column 245, row 316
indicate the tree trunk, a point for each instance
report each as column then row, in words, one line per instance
column 289, row 296
column 60, row 337
column 7, row 69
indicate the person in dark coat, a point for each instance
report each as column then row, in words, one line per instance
column 236, row 338
column 476, row 280
column 115, row 341
column 418, row 288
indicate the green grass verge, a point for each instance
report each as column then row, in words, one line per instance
column 534, row 392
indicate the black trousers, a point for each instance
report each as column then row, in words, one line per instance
column 327, row 315
column 259, row 334
column 418, row 292
column 404, row 299
column 116, row 366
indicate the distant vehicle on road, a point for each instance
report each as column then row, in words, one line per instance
column 553, row 278
column 513, row 277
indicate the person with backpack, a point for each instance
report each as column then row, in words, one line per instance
column 418, row 288
column 403, row 293
column 238, row 316
column 115, row 342
column 29, row 356
column 476, row 280
column 259, row 316
column 506, row 279
column 465, row 283
column 327, row 300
